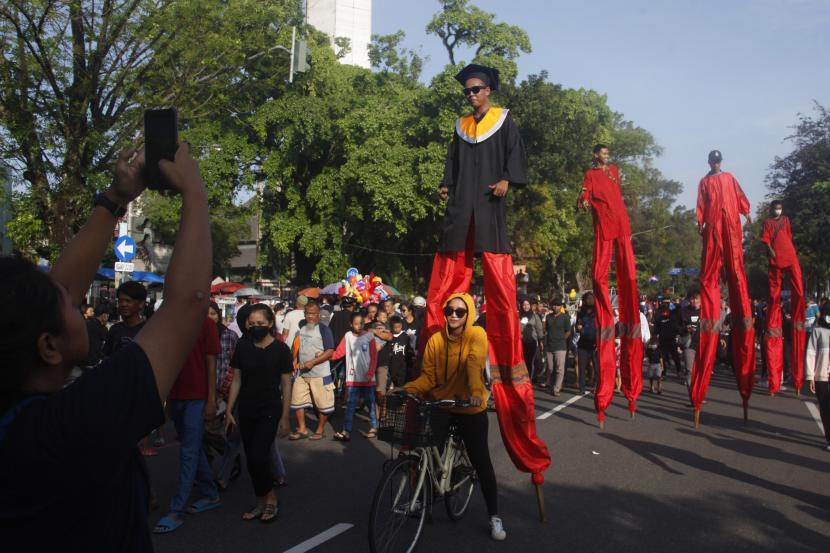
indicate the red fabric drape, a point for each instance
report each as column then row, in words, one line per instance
column 511, row 388
column 631, row 345
column 722, row 246
column 774, row 338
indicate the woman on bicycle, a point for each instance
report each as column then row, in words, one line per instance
column 453, row 368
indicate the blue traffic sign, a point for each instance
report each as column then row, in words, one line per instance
column 125, row 248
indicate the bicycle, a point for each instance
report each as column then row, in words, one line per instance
column 404, row 497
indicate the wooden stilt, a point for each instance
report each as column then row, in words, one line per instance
column 632, row 415
column 602, row 425
column 697, row 418
column 746, row 411
column 540, row 502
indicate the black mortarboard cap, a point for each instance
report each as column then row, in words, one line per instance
column 715, row 156
column 487, row 75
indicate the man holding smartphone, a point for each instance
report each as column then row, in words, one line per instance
column 71, row 476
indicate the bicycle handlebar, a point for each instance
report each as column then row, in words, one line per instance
column 436, row 402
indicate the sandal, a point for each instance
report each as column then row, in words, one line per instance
column 203, row 505
column 270, row 513
column 167, row 524
column 317, row 436
column 294, row 436
column 342, row 436
column 373, row 433
column 253, row 514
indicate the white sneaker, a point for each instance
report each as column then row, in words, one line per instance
column 827, row 448
column 497, row 529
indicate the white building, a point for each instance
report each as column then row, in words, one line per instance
column 351, row 19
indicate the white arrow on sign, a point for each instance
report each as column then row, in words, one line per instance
column 124, row 248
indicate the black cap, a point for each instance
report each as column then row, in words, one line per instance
column 715, row 156
column 487, row 75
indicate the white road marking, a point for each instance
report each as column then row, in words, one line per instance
column 559, row 407
column 811, row 407
column 322, row 537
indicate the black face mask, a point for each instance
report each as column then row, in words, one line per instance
column 259, row 332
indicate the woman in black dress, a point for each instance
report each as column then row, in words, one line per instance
column 262, row 368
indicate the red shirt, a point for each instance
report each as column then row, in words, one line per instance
column 192, row 381
column 782, row 243
column 602, row 190
column 720, row 196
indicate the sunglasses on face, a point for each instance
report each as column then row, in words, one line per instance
column 460, row 312
column 473, row 90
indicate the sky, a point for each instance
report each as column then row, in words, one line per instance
column 699, row 75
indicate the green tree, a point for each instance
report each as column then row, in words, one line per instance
column 75, row 77
column 346, row 168
column 459, row 24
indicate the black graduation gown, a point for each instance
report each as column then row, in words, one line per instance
column 495, row 152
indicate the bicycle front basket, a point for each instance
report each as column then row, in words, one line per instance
column 407, row 424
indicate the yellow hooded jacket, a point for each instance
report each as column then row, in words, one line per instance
column 453, row 368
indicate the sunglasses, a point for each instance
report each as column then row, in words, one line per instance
column 473, row 90
column 460, row 312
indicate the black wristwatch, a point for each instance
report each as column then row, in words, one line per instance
column 117, row 211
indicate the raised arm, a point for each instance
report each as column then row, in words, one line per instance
column 169, row 335
column 76, row 266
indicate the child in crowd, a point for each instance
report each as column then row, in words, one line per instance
column 360, row 350
column 654, row 364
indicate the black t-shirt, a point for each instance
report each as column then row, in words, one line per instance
column 262, row 369
column 119, row 336
column 97, row 336
column 71, row 476
column 400, row 358
column 340, row 324
column 653, row 354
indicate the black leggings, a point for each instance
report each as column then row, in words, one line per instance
column 473, row 430
column 823, row 396
column 258, row 431
column 529, row 350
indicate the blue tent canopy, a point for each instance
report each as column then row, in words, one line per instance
column 108, row 273
column 143, row 276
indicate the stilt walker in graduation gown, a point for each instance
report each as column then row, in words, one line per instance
column 601, row 192
column 485, row 158
column 778, row 236
column 720, row 202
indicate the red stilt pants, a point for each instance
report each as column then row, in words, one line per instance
column 631, row 344
column 511, row 388
column 722, row 246
column 774, row 338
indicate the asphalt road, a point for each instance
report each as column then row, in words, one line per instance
column 652, row 484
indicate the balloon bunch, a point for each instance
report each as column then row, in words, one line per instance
column 364, row 289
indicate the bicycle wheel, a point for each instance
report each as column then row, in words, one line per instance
column 462, row 484
column 397, row 516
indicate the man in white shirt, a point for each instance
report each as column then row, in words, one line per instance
column 291, row 322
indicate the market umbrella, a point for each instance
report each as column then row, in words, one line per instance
column 245, row 292
column 226, row 288
column 309, row 292
column 331, row 289
column 390, row 290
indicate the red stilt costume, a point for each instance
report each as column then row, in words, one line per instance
column 720, row 201
column 779, row 236
column 483, row 153
column 612, row 233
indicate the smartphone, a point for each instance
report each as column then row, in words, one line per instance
column 161, row 140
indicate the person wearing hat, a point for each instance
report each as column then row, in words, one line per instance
column 720, row 203
column 778, row 236
column 602, row 194
column 486, row 157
